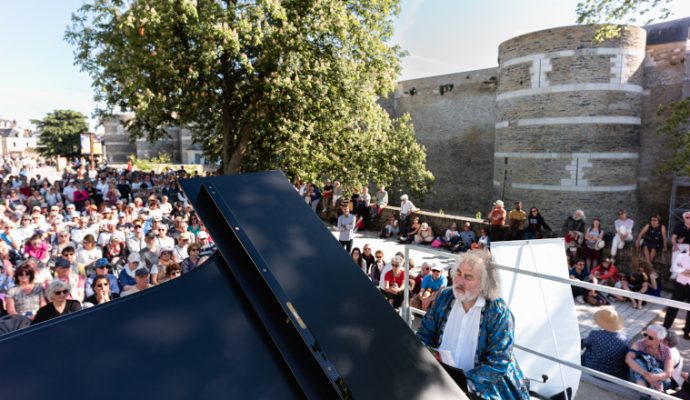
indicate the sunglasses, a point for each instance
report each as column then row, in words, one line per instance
column 100, row 285
column 60, row 292
column 648, row 336
column 23, row 274
column 176, row 273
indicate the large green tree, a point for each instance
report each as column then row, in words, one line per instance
column 263, row 84
column 59, row 133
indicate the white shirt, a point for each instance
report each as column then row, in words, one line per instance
column 628, row 224
column 346, row 226
column 461, row 333
column 406, row 208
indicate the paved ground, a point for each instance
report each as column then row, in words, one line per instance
column 635, row 320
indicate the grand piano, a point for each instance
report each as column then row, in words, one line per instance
column 280, row 312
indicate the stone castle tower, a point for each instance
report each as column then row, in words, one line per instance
column 562, row 123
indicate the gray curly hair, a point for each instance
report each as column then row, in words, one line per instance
column 490, row 287
column 55, row 286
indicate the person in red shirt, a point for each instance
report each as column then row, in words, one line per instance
column 606, row 272
column 394, row 287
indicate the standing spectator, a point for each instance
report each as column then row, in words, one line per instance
column 624, row 232
column 517, row 219
column 535, row 223
column 337, row 193
column 652, row 238
column 605, row 349
column 59, row 303
column 406, row 208
column 346, row 226
column 594, row 243
column 681, row 291
column 497, row 218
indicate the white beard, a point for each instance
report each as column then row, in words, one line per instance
column 464, row 296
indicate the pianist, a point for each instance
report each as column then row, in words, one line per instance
column 475, row 326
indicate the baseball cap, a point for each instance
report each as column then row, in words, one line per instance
column 202, row 235
column 143, row 271
column 101, row 262
column 436, row 268
column 62, row 263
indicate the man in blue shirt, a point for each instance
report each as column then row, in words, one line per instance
column 432, row 284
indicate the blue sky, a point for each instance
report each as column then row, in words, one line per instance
column 37, row 74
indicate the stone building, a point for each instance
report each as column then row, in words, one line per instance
column 178, row 145
column 562, row 123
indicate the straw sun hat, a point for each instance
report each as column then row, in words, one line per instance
column 608, row 319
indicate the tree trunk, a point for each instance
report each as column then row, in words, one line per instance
column 233, row 150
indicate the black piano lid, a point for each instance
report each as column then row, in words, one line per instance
column 282, row 313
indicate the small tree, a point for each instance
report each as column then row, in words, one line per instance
column 60, row 132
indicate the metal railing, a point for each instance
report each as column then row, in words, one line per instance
column 407, row 311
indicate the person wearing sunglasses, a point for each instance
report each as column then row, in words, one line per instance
column 100, row 287
column 650, row 360
column 26, row 297
column 173, row 271
column 102, row 269
column 59, row 303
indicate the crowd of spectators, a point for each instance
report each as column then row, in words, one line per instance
column 91, row 236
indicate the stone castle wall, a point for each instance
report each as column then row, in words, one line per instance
column 572, row 124
column 453, row 116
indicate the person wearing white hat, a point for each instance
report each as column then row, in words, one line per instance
column 605, row 348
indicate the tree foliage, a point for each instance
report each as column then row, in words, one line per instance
column 676, row 132
column 262, row 84
column 615, row 14
column 60, row 133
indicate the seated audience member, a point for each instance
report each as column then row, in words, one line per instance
column 425, row 234
column 87, row 255
column 467, row 238
column 650, row 360
column 654, row 280
column 431, row 286
column 394, row 283
column 100, row 287
column 412, row 232
column 416, row 282
column 391, row 229
column 624, row 232
column 58, row 291
column 356, row 255
column 35, row 247
column 671, row 342
column 173, row 271
column 101, row 267
column 483, row 242
column 606, row 272
column 380, row 201
column 193, row 259
column 141, row 276
column 574, row 230
column 451, row 236
column 638, row 282
column 475, row 325
column 605, row 348
column 127, row 276
column 26, row 297
column 165, row 259
column 582, row 295
column 652, row 238
column 377, row 268
column 75, row 282
column 368, row 256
